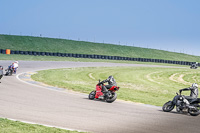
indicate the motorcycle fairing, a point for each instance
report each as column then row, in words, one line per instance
column 114, row 88
column 98, row 91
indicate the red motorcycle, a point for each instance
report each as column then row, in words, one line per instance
column 110, row 97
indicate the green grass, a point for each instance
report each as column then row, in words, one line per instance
column 28, row 43
column 147, row 85
column 135, row 86
column 8, row 126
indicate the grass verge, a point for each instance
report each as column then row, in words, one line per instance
column 42, row 44
column 8, row 126
column 147, row 85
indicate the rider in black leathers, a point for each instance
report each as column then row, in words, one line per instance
column 194, row 92
column 194, row 65
column 111, row 82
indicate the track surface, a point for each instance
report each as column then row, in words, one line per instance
column 35, row 104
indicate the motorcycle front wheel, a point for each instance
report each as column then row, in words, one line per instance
column 112, row 98
column 92, row 95
column 195, row 111
column 6, row 74
column 168, row 106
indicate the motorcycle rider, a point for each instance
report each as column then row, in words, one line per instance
column 194, row 92
column 111, row 82
column 1, row 72
column 194, row 65
column 15, row 66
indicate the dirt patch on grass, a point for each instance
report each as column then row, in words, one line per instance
column 178, row 77
column 90, row 75
column 149, row 77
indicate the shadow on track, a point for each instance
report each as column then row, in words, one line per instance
column 174, row 112
column 95, row 100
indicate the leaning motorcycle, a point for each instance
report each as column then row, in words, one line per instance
column 193, row 109
column 10, row 70
column 110, row 97
column 193, row 66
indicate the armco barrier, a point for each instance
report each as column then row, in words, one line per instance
column 73, row 55
column 35, row 53
column 66, row 55
column 69, row 55
column 30, row 53
column 3, row 51
column 42, row 53
column 21, row 52
column 16, row 52
column 50, row 54
column 47, row 53
column 25, row 52
column 77, row 55
column 62, row 54
column 55, row 54
column 38, row 53
column 12, row 52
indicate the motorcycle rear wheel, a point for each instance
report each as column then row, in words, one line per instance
column 112, row 98
column 92, row 95
column 8, row 73
column 168, row 106
column 194, row 112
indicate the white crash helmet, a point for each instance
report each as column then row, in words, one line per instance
column 17, row 62
column 195, row 85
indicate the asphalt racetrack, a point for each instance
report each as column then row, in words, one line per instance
column 31, row 103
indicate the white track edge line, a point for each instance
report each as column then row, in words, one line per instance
column 74, row 93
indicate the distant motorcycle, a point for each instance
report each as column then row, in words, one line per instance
column 10, row 70
column 110, row 97
column 193, row 109
column 193, row 66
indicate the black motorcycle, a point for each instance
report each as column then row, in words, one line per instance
column 178, row 101
column 10, row 70
column 193, row 66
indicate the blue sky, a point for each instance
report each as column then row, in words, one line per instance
column 172, row 25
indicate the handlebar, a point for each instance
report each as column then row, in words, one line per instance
column 178, row 93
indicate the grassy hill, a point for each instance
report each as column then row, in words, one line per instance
column 28, row 43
